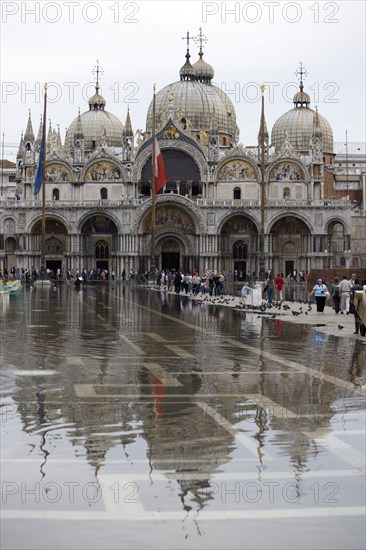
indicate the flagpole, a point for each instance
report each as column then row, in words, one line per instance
column 262, row 262
column 153, row 196
column 43, row 234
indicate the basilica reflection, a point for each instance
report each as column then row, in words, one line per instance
column 110, row 374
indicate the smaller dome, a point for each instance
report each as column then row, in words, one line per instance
column 97, row 101
column 301, row 98
column 204, row 71
column 187, row 72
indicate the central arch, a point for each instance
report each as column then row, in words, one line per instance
column 170, row 251
column 182, row 171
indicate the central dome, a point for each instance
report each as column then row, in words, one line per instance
column 195, row 101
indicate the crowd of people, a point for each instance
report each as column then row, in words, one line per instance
column 342, row 294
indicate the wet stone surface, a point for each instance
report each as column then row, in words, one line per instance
column 132, row 418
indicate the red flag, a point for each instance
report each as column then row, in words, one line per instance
column 159, row 173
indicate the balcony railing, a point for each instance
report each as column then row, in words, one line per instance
column 203, row 203
column 249, row 203
column 71, row 204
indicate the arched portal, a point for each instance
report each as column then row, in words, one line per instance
column 99, row 243
column 239, row 244
column 175, row 240
column 290, row 243
column 170, row 252
column 56, row 241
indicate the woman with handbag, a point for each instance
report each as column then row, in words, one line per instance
column 321, row 293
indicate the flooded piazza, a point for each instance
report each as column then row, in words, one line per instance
column 134, row 418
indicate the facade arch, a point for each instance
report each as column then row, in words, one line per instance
column 173, row 201
column 195, row 154
column 290, row 213
column 102, row 170
column 290, row 244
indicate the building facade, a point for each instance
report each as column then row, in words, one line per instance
column 208, row 216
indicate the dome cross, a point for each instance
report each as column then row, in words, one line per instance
column 188, row 38
column 200, row 39
column 96, row 71
column 302, row 72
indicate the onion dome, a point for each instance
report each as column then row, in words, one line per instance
column 187, row 72
column 202, row 104
column 204, row 71
column 97, row 101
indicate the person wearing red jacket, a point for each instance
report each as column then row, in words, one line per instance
column 279, row 282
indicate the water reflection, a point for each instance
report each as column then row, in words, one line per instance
column 157, row 383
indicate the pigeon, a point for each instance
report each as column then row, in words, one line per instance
column 340, row 327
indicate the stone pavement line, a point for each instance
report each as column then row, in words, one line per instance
column 278, row 410
column 84, row 390
column 305, row 370
column 237, row 434
column 162, row 375
column 75, row 360
column 340, row 448
column 156, row 337
column 180, row 351
column 300, row 368
column 343, row 450
column 133, row 346
column 204, row 515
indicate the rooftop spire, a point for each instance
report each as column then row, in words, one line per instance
column 78, row 134
column 59, row 140
column 29, row 135
column 21, row 148
column 317, row 131
column 128, row 126
column 49, row 136
column 39, row 135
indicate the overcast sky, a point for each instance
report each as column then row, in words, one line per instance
column 139, row 43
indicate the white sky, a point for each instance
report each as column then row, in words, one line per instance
column 139, row 43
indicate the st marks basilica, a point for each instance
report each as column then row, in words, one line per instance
column 98, row 189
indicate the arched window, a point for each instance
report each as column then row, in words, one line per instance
column 237, row 193
column 103, row 193
column 286, row 193
column 101, row 250
column 240, row 250
column 56, row 194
